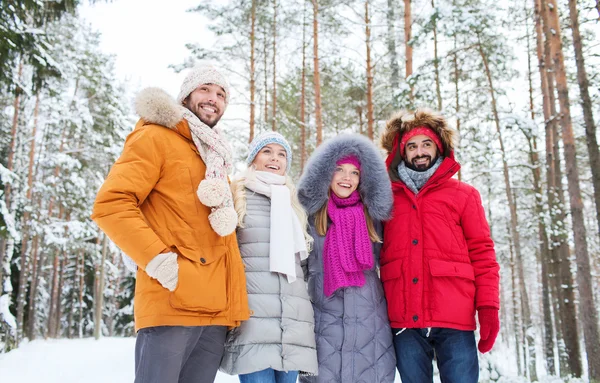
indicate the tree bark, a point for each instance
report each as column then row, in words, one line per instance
column 457, row 95
column 9, row 166
column 527, row 322
column 407, row 44
column 61, row 278
column 544, row 258
column 316, row 76
column 36, row 269
column 391, row 44
column 517, row 328
column 23, row 275
column 589, row 315
column 266, row 70
column 560, row 268
column 81, row 275
column 586, row 105
column 303, row 95
column 370, row 120
column 436, row 61
column 252, row 70
column 99, row 303
column 274, row 111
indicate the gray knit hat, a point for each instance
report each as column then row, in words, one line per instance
column 265, row 139
column 200, row 75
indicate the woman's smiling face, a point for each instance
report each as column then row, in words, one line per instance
column 271, row 158
column 345, row 180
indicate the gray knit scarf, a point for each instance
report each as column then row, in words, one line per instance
column 415, row 180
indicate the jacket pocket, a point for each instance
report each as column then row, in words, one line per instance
column 202, row 284
column 392, row 278
column 452, row 292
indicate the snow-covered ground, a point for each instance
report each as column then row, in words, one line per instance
column 74, row 361
column 111, row 360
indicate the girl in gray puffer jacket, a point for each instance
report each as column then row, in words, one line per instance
column 278, row 341
column 346, row 191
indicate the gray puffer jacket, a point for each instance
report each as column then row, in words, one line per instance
column 354, row 338
column 280, row 331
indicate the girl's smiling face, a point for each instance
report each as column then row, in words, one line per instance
column 345, row 180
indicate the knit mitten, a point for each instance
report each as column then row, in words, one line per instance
column 164, row 269
column 489, row 326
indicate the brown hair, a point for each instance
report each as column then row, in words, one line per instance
column 322, row 222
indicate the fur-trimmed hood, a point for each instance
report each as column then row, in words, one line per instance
column 156, row 106
column 374, row 187
column 404, row 121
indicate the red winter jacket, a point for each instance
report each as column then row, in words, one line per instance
column 438, row 263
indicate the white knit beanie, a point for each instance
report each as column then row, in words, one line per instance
column 200, row 75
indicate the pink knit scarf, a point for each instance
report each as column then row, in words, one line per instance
column 347, row 250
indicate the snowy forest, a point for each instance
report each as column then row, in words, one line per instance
column 519, row 79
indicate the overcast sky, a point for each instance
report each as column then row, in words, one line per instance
column 147, row 36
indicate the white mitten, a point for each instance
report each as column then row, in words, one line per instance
column 164, row 269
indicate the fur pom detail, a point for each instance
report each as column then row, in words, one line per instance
column 212, row 191
column 223, row 221
column 156, row 106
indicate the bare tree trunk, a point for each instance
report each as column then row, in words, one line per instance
column 359, row 113
column 316, row 76
column 13, row 135
column 53, row 294
column 99, row 302
column 9, row 166
column 370, row 121
column 516, row 317
column 252, row 70
column 527, row 322
column 589, row 315
column 112, row 301
column 36, row 266
column 266, row 68
column 303, row 94
column 274, row 111
column 407, row 43
column 545, row 258
column 61, row 278
column 586, row 105
column 561, row 280
column 436, row 60
column 391, row 44
column 23, row 275
column 81, row 274
column 457, row 94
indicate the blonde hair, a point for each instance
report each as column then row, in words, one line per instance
column 322, row 222
column 238, row 188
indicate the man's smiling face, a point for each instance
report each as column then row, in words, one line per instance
column 421, row 153
column 207, row 102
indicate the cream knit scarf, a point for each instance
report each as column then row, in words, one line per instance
column 214, row 190
column 286, row 236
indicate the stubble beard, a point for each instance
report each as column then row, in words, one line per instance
column 421, row 168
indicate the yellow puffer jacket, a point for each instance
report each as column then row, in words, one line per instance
column 147, row 204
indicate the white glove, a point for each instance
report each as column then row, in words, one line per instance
column 164, row 269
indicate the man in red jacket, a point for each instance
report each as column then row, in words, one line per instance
column 438, row 264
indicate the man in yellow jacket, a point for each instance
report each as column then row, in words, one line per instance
column 167, row 204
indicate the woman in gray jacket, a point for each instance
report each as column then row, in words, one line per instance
column 346, row 191
column 278, row 341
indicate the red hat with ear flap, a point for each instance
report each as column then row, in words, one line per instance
column 420, row 130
